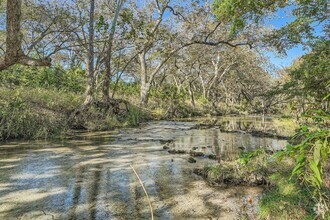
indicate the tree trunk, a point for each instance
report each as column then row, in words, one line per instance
column 14, row 53
column 145, row 85
column 90, row 59
column 203, row 86
column 107, row 75
column 216, row 73
column 14, row 38
column 144, row 96
column 217, row 76
column 192, row 96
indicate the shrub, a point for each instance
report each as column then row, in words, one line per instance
column 35, row 112
column 312, row 153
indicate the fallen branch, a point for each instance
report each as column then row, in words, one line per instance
column 145, row 191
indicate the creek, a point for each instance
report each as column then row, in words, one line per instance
column 88, row 176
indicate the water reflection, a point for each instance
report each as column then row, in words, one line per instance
column 226, row 145
column 88, row 177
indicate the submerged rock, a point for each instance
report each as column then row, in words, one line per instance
column 166, row 141
column 173, row 151
column 191, row 160
column 213, row 157
column 241, row 148
column 196, row 154
column 200, row 172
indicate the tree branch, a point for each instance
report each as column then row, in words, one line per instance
column 215, row 28
column 28, row 61
column 24, row 60
column 178, row 14
column 223, row 42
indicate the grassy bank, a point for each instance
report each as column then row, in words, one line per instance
column 41, row 102
column 286, row 200
column 285, row 196
column 30, row 113
column 36, row 111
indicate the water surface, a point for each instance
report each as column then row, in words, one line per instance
column 89, row 177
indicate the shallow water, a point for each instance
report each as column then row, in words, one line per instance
column 89, row 175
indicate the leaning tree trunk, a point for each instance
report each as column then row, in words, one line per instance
column 14, row 53
column 107, row 75
column 90, row 59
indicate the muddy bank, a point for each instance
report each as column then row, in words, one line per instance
column 89, row 176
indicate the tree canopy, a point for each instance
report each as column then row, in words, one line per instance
column 305, row 16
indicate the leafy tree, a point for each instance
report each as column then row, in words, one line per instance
column 307, row 13
column 305, row 84
column 311, row 76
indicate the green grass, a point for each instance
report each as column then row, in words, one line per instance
column 31, row 113
column 286, row 200
column 135, row 116
column 283, row 198
column 34, row 113
column 285, row 126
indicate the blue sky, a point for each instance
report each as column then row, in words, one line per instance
column 284, row 61
column 281, row 18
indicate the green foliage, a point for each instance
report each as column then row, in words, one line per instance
column 252, row 168
column 286, row 200
column 221, row 172
column 307, row 84
column 312, row 155
column 238, row 13
column 101, row 24
column 173, row 103
column 168, row 93
column 135, row 116
column 44, row 77
column 312, row 76
column 245, row 157
column 128, row 89
column 35, row 113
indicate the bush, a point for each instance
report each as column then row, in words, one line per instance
column 312, row 153
column 135, row 116
column 44, row 77
column 35, row 113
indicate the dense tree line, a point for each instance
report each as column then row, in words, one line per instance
column 152, row 42
column 209, row 50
